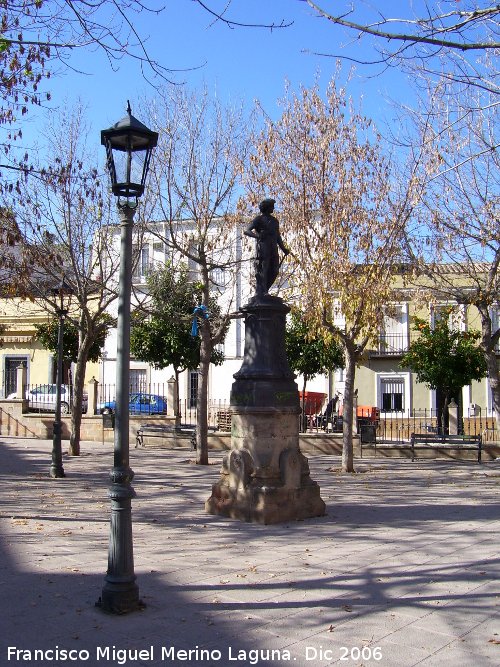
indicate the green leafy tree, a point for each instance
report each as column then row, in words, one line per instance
column 47, row 334
column 444, row 358
column 310, row 354
column 162, row 335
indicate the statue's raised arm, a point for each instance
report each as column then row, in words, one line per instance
column 265, row 229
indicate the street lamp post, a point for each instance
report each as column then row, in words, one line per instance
column 62, row 294
column 129, row 145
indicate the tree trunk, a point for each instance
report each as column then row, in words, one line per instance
column 76, row 408
column 202, row 395
column 303, row 417
column 350, row 372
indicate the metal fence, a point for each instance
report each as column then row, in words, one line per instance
column 150, row 399
column 397, row 426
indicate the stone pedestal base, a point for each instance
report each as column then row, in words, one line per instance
column 265, row 478
column 266, row 504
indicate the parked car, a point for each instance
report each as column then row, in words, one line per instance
column 138, row 404
column 42, row 397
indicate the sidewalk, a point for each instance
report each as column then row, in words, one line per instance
column 403, row 570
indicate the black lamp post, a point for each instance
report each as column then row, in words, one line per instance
column 62, row 295
column 128, row 144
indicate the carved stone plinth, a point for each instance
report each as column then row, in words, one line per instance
column 265, row 477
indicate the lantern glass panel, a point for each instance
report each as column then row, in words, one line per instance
column 129, row 169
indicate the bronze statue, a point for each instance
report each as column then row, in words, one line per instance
column 265, row 228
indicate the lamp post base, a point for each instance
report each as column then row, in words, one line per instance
column 56, row 468
column 120, row 598
column 120, row 593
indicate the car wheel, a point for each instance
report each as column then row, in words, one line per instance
column 64, row 409
column 106, row 411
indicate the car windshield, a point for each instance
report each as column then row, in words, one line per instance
column 42, row 389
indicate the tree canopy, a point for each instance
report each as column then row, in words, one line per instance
column 161, row 330
column 340, row 215
column 444, row 357
column 309, row 353
column 47, row 334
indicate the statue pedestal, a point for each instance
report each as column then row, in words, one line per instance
column 265, row 477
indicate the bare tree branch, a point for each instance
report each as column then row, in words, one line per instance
column 220, row 16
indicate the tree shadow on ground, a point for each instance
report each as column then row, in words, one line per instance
column 392, row 538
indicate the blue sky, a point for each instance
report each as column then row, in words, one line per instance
column 235, row 64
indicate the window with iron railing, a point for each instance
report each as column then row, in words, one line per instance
column 192, row 388
column 393, row 338
column 392, row 394
column 392, row 344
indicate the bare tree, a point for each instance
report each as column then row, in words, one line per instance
column 458, row 248
column 324, row 164
column 193, row 187
column 439, row 38
column 64, row 217
column 37, row 41
column 39, row 38
column 457, row 40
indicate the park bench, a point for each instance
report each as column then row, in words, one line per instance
column 377, row 444
column 161, row 431
column 421, row 441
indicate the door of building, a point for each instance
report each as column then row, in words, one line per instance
column 10, row 370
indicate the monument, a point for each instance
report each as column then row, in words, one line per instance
column 265, row 477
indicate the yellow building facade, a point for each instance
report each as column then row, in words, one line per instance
column 19, row 346
column 381, row 380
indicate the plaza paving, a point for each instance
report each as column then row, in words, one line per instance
column 403, row 569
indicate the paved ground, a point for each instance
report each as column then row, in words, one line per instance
column 403, row 569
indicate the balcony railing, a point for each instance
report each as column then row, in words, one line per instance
column 389, row 345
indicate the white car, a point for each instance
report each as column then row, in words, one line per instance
column 42, row 397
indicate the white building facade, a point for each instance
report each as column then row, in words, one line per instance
column 231, row 284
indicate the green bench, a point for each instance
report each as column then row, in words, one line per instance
column 420, row 441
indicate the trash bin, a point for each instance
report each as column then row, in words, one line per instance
column 108, row 420
column 368, row 433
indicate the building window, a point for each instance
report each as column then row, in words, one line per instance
column 394, row 330
column 138, row 380
column 456, row 316
column 392, row 391
column 218, row 277
column 142, row 265
column 192, row 388
column 495, row 323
